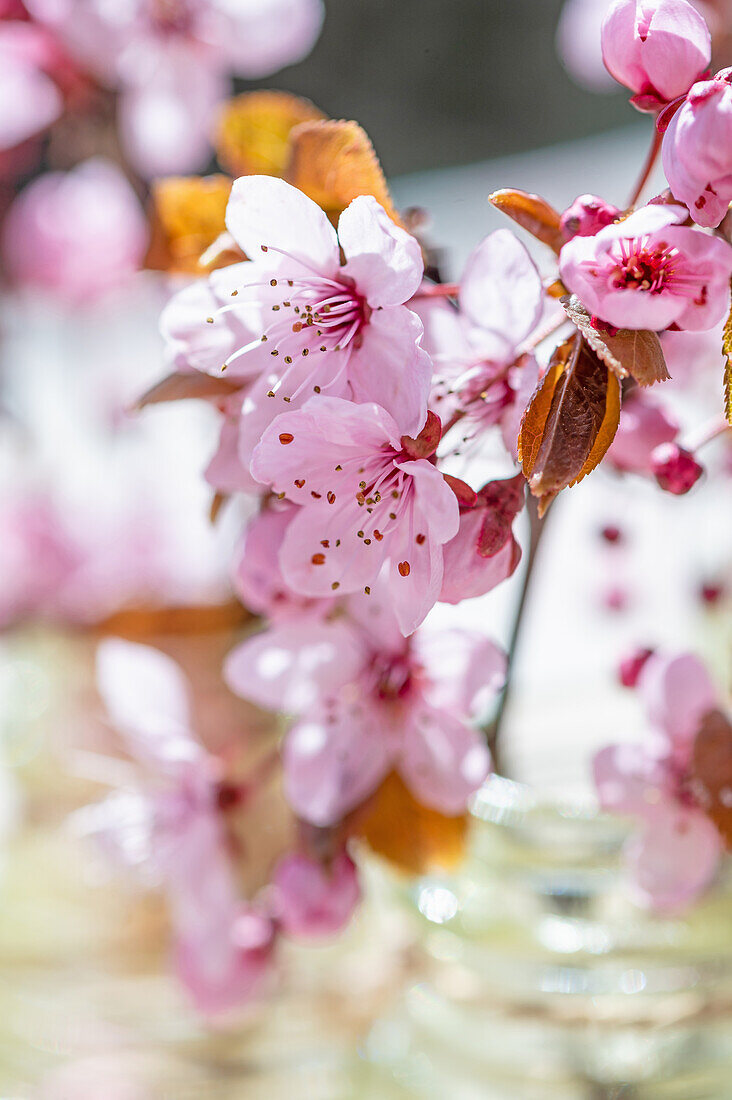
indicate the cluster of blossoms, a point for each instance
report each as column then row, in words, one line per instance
column 349, row 383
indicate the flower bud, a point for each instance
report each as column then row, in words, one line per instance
column 587, row 215
column 675, row 469
column 656, row 48
column 697, row 150
column 631, row 667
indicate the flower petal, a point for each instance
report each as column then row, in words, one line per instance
column 465, row 670
column 675, row 857
column 501, row 290
column 677, row 692
column 266, row 211
column 392, row 369
column 384, row 260
column 443, row 760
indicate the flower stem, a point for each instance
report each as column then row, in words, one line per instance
column 494, row 730
column 653, row 151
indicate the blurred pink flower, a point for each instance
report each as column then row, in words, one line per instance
column 697, row 150
column 650, row 272
column 587, row 215
column 368, row 496
column 675, row 854
column 372, row 701
column 311, row 901
column 76, row 235
column 171, row 828
column 644, row 425
column 29, row 98
column 578, row 43
column 656, row 48
column 172, row 60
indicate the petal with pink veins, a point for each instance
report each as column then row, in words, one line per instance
column 392, row 369
column 501, row 290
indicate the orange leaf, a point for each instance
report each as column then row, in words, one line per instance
column 333, row 162
column 183, row 387
column 409, row 834
column 633, row 352
column 570, row 422
column 727, row 352
column 187, row 214
column 532, row 213
column 253, row 131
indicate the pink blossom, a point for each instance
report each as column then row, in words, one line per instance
column 171, row 828
column 312, row 901
column 29, row 98
column 76, row 235
column 675, row 853
column 257, row 576
column 656, row 48
column 675, row 469
column 697, row 150
column 367, row 498
column 644, row 425
column 578, row 43
column 484, row 552
column 587, row 215
column 172, row 60
column 476, row 349
column 650, row 272
column 384, row 703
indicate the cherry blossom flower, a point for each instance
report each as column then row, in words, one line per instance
column 697, row 150
column 172, row 60
column 172, row 829
column 675, row 854
column 476, row 349
column 76, row 235
column 485, row 551
column 383, row 703
column 656, row 48
column 368, row 495
column 650, row 272
column 578, row 43
column 312, row 901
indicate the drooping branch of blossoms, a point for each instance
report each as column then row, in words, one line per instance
column 356, row 399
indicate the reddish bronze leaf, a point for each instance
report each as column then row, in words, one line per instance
column 625, row 351
column 533, row 214
column 727, row 352
column 570, row 422
column 712, row 771
column 182, row 387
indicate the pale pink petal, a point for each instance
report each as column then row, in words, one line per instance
column 524, row 379
column 294, row 665
column 166, row 116
column 501, row 290
column 146, row 696
column 677, row 692
column 467, row 573
column 677, row 48
column 644, row 425
column 443, row 760
column 257, row 578
column 333, row 760
column 436, row 507
column 629, row 780
column 260, row 38
column 266, row 211
column 578, row 43
column 225, row 964
column 465, row 670
column 391, row 368
column 675, row 858
column 313, row 901
column 384, row 260
column 29, row 101
column 225, row 472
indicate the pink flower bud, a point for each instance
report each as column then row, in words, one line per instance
column 312, row 900
column 587, row 215
column 631, row 667
column 697, row 150
column 675, row 469
column 656, row 48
